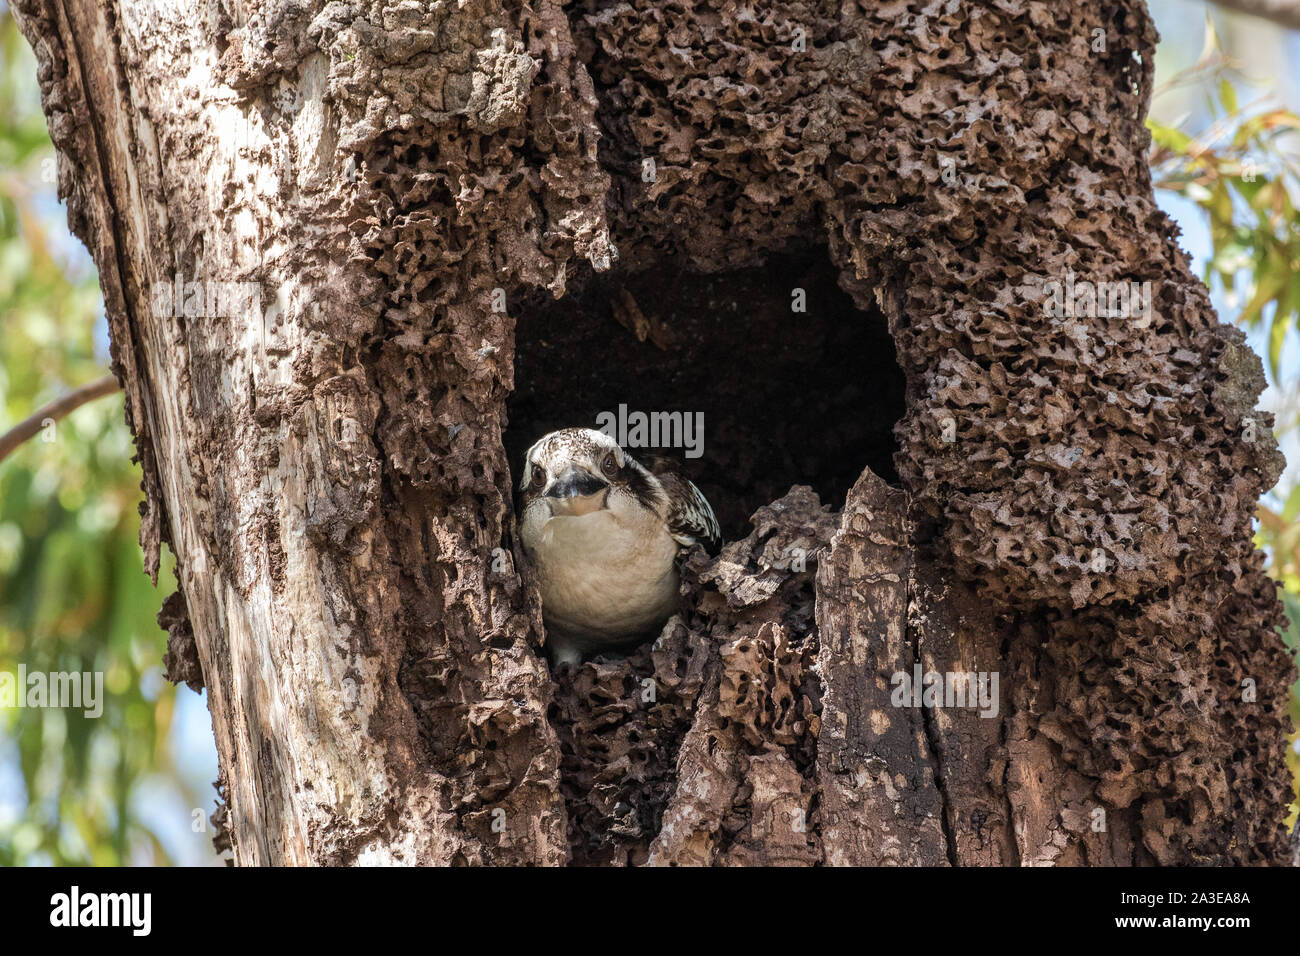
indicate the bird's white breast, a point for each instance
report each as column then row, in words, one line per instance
column 604, row 575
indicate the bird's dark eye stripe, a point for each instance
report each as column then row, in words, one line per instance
column 642, row 486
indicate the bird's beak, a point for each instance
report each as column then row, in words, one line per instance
column 576, row 492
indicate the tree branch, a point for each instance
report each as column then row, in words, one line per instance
column 55, row 410
column 1283, row 12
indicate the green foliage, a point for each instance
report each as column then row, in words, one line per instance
column 1241, row 176
column 73, row 595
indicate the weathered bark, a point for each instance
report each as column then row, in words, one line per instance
column 332, row 472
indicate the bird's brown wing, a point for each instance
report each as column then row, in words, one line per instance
column 690, row 519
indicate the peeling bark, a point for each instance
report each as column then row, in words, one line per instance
column 330, row 464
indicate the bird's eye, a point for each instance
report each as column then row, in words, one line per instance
column 538, row 479
column 610, row 465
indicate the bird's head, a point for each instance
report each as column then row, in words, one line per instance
column 577, row 471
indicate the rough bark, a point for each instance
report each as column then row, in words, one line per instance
column 332, row 473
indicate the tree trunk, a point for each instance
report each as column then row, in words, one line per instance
column 467, row 224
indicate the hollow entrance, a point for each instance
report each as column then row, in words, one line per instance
column 787, row 397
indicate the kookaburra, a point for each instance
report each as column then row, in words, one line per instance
column 604, row 532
